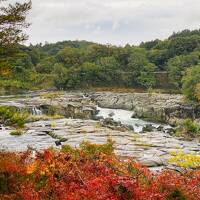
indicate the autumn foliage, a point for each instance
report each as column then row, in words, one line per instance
column 89, row 173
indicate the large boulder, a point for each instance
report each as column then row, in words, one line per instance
column 148, row 128
column 110, row 123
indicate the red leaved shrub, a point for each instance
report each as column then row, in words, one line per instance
column 92, row 172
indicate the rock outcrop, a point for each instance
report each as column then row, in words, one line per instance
column 154, row 107
column 71, row 105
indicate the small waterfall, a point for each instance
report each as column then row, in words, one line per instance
column 36, row 111
column 85, row 96
column 2, row 128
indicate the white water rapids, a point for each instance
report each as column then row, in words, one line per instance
column 125, row 117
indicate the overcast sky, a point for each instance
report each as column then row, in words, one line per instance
column 111, row 21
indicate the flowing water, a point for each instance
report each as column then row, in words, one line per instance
column 35, row 111
column 125, row 117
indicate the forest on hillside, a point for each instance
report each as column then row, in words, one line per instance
column 172, row 63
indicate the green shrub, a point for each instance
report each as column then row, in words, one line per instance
column 191, row 126
column 52, row 110
column 90, row 150
column 11, row 117
column 95, row 149
column 16, row 132
column 176, row 194
column 188, row 129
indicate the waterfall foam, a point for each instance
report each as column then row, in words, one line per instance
column 36, row 111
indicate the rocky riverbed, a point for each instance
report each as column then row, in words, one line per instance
column 166, row 108
column 81, row 121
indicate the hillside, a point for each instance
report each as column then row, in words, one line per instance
column 82, row 64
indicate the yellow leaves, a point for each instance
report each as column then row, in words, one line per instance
column 5, row 71
column 42, row 173
column 52, row 166
column 43, row 168
column 46, row 169
column 30, row 169
column 49, row 166
column 181, row 159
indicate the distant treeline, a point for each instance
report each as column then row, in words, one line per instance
column 82, row 64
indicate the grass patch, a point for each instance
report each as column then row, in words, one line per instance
column 52, row 95
column 16, row 133
column 91, row 150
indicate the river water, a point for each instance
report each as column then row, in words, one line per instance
column 125, row 117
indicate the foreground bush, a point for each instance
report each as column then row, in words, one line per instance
column 89, row 173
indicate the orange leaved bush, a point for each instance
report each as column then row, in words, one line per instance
column 88, row 173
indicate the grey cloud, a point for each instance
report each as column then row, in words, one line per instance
column 111, row 21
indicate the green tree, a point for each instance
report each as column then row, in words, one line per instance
column 158, row 57
column 177, row 65
column 143, row 71
column 12, row 22
column 190, row 81
column 183, row 45
column 137, row 60
column 108, row 63
column 90, row 74
column 60, row 76
column 70, row 57
column 96, row 51
column 149, row 45
column 46, row 65
column 147, row 76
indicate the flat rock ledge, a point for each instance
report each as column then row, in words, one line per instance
column 151, row 148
